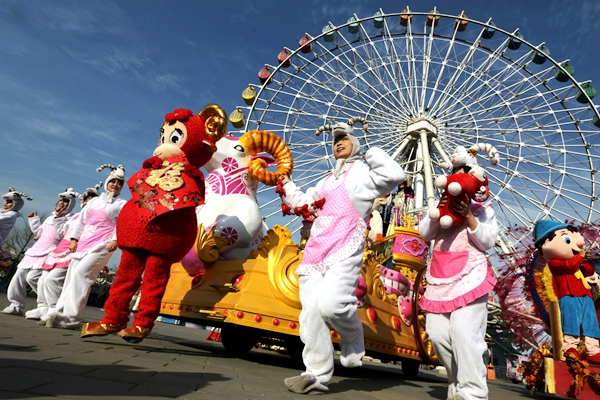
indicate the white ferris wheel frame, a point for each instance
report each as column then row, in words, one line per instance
column 418, row 124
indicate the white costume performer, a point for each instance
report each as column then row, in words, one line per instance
column 8, row 216
column 458, row 282
column 332, row 259
column 29, row 270
column 7, row 222
column 55, row 267
column 95, row 229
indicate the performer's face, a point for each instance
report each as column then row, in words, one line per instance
column 61, row 206
column 342, row 148
column 7, row 204
column 115, row 186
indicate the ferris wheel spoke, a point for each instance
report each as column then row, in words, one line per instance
column 500, row 104
column 460, row 71
column 426, row 61
column 394, row 66
column 347, row 66
column 503, row 74
column 413, row 83
column 322, row 91
column 511, row 213
column 380, row 67
column 444, row 62
column 471, row 80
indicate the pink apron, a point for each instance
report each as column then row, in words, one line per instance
column 61, row 256
column 458, row 273
column 97, row 231
column 337, row 232
column 35, row 256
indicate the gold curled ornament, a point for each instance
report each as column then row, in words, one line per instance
column 207, row 245
column 168, row 178
column 421, row 337
column 282, row 258
column 284, row 282
column 215, row 121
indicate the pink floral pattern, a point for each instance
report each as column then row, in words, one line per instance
column 229, row 164
column 229, row 234
column 410, row 245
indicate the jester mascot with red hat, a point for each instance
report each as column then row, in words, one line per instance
column 157, row 227
column 563, row 247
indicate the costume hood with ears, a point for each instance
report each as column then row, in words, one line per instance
column 344, row 129
column 463, row 157
column 71, row 196
column 17, row 199
column 90, row 192
column 117, row 172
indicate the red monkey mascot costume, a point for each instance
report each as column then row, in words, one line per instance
column 157, row 227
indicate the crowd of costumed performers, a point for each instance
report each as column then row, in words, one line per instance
column 70, row 251
column 155, row 229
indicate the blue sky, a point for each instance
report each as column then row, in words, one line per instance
column 84, row 83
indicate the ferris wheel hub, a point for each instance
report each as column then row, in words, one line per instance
column 414, row 129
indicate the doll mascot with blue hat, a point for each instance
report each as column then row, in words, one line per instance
column 563, row 247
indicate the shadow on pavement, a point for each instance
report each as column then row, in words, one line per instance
column 371, row 377
column 10, row 347
column 29, row 378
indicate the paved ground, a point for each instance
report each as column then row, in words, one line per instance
column 177, row 362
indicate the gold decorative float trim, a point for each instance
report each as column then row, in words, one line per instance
column 276, row 236
column 207, row 245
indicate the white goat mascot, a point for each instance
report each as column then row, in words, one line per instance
column 230, row 200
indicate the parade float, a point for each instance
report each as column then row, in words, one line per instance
column 243, row 283
column 425, row 82
column 257, row 300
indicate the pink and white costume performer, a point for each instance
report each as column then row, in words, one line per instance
column 55, row 267
column 95, row 232
column 29, row 269
column 330, row 267
column 9, row 213
column 458, row 282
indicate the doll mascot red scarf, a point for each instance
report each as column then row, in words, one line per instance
column 157, row 227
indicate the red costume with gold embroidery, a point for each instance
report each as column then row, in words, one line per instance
column 173, row 185
column 157, row 227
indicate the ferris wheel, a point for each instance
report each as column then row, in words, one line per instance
column 426, row 82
